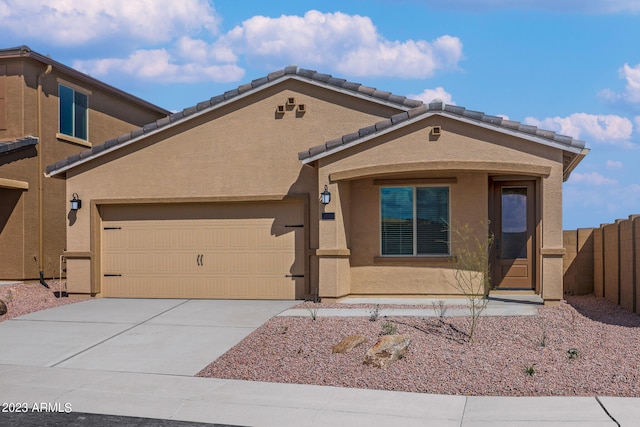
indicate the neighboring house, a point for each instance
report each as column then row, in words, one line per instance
column 222, row 200
column 48, row 111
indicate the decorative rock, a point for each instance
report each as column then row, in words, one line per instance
column 387, row 350
column 3, row 308
column 348, row 343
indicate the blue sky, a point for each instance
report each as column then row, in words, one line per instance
column 572, row 66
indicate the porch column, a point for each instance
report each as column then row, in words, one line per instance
column 333, row 252
column 552, row 248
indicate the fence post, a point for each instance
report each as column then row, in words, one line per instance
column 626, row 260
column 569, row 262
column 584, row 261
column 598, row 263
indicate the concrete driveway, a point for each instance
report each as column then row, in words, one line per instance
column 159, row 336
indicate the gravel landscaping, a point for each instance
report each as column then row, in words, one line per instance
column 24, row 298
column 585, row 347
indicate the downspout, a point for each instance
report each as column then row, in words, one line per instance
column 41, row 178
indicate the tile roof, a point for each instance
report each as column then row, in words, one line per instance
column 454, row 111
column 9, row 146
column 290, row 71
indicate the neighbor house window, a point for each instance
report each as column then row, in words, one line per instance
column 73, row 112
column 414, row 220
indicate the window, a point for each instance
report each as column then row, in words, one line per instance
column 414, row 220
column 73, row 112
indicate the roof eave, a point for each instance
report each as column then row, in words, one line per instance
column 574, row 163
column 507, row 131
column 26, row 52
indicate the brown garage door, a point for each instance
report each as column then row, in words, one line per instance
column 218, row 250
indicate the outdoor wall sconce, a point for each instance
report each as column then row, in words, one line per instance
column 75, row 202
column 325, row 196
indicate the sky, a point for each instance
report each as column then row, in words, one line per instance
column 571, row 66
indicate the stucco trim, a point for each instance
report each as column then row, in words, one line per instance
column 215, row 199
column 413, row 259
column 13, row 184
column 442, row 165
column 78, row 255
column 73, row 140
column 333, row 252
column 553, row 252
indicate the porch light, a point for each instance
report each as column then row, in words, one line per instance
column 325, row 196
column 75, row 202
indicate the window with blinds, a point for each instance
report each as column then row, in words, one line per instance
column 414, row 220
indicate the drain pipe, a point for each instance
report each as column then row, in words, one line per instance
column 41, row 178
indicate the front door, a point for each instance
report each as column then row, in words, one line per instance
column 514, row 234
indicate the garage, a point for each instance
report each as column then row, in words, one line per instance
column 239, row 250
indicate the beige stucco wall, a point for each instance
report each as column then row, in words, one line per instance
column 242, row 151
column 109, row 116
column 470, row 155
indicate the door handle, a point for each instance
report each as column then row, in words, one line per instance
column 199, row 259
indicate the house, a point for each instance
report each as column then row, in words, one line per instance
column 302, row 184
column 48, row 111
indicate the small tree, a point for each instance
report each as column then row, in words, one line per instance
column 472, row 270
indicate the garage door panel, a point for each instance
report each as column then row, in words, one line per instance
column 219, row 256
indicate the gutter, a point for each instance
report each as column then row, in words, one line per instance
column 45, row 73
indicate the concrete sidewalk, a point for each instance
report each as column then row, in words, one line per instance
column 458, row 307
column 247, row 403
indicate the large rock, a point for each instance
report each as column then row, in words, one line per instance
column 348, row 344
column 3, row 308
column 387, row 350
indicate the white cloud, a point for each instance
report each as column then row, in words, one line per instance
column 610, row 129
column 76, row 22
column 613, row 164
column 632, row 76
column 590, row 178
column 429, row 95
column 631, row 92
column 158, row 65
column 349, row 44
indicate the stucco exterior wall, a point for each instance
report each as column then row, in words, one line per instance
column 242, row 151
column 109, row 116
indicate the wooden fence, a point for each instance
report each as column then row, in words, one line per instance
column 605, row 261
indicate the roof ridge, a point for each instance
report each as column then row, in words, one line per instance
column 433, row 107
column 290, row 70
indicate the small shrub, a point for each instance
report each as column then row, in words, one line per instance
column 313, row 312
column 543, row 340
column 439, row 309
column 472, row 270
column 375, row 313
column 529, row 370
column 572, row 353
column 389, row 328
